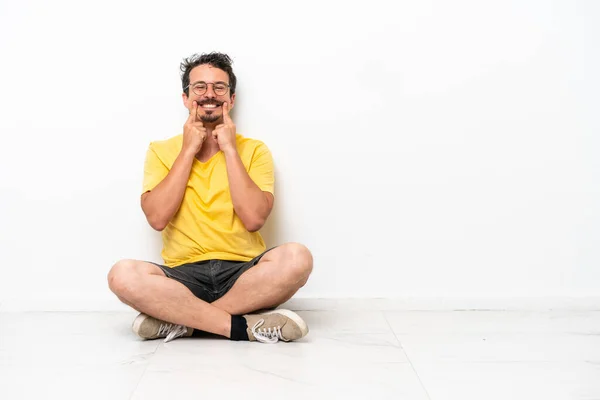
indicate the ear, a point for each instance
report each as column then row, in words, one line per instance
column 185, row 100
column 231, row 102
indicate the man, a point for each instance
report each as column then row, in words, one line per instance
column 209, row 190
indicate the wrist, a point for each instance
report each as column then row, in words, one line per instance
column 229, row 151
column 187, row 154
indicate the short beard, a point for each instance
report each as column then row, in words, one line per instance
column 210, row 118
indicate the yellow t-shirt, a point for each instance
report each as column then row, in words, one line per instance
column 206, row 226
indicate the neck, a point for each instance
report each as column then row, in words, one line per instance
column 210, row 126
column 210, row 147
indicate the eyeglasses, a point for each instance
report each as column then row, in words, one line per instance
column 220, row 88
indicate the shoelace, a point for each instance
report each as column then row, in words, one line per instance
column 172, row 331
column 266, row 335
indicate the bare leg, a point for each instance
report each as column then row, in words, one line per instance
column 273, row 281
column 144, row 287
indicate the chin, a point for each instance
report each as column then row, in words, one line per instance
column 209, row 119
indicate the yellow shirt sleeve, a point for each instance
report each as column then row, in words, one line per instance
column 261, row 169
column 154, row 170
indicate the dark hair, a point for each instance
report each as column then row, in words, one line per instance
column 217, row 60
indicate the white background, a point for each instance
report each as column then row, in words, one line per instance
column 424, row 149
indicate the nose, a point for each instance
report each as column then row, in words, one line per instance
column 210, row 93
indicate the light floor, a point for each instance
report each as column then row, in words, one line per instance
column 368, row 355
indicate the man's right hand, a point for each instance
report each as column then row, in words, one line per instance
column 194, row 132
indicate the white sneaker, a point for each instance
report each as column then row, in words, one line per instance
column 273, row 326
column 148, row 327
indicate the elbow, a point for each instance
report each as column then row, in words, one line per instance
column 154, row 219
column 254, row 225
column 156, row 223
column 158, row 227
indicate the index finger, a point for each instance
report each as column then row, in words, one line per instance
column 226, row 117
column 193, row 112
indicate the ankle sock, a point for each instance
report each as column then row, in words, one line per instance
column 238, row 328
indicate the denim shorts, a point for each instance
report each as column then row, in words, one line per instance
column 209, row 280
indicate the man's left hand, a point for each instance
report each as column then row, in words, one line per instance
column 224, row 133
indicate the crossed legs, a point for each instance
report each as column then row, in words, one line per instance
column 274, row 280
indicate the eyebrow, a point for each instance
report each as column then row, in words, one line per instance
column 193, row 83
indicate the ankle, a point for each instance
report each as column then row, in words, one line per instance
column 239, row 328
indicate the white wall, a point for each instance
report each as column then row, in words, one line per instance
column 441, row 149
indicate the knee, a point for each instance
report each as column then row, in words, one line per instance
column 120, row 277
column 299, row 262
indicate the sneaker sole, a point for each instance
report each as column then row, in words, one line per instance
column 294, row 317
column 137, row 323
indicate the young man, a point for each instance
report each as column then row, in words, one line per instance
column 209, row 190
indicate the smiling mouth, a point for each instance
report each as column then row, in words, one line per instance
column 209, row 106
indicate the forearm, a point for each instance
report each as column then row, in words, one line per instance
column 249, row 201
column 161, row 204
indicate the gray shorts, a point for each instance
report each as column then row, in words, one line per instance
column 209, row 280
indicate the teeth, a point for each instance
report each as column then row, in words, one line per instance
column 210, row 106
